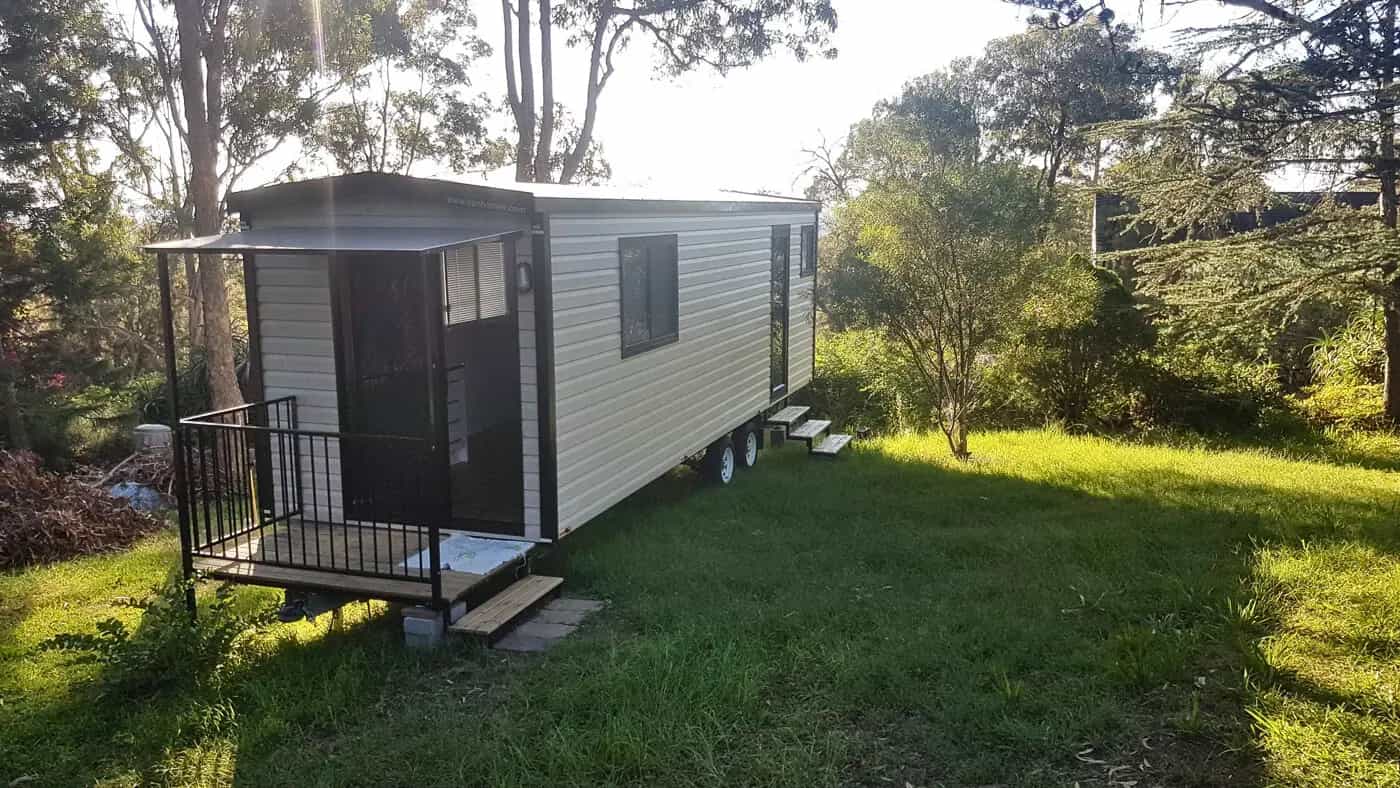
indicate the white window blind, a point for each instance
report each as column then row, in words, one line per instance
column 474, row 283
column 491, row 273
column 459, row 284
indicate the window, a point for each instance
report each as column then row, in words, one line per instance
column 474, row 283
column 650, row 293
column 808, row 264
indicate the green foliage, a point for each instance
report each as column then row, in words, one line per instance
column 1192, row 386
column 1348, row 367
column 404, row 101
column 169, row 649
column 1076, row 354
column 950, row 253
column 863, row 383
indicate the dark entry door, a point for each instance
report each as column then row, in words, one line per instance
column 385, row 388
column 778, row 332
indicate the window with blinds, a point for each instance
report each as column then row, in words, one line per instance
column 491, row 279
column 474, row 283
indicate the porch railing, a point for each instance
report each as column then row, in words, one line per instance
column 259, row 490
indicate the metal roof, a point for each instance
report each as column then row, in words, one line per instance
column 327, row 240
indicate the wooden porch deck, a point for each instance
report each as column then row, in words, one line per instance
column 317, row 556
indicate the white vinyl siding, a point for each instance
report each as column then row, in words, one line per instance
column 611, row 435
column 298, row 358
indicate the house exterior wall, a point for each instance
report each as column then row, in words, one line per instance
column 298, row 360
column 620, row 423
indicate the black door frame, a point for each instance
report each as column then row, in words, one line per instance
column 776, row 390
column 434, row 427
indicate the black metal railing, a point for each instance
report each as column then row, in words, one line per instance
column 260, row 490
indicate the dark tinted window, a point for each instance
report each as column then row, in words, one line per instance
column 650, row 293
column 809, row 251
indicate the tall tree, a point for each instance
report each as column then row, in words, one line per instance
column 49, row 53
column 1047, row 88
column 403, row 102
column 685, row 35
column 247, row 76
column 1302, row 85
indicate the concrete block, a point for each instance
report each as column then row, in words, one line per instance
column 422, row 627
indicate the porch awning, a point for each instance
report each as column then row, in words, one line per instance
column 331, row 240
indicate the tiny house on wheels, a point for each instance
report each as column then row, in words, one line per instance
column 443, row 376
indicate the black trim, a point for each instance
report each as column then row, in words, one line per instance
column 386, row 187
column 441, row 463
column 172, row 394
column 647, row 241
column 257, row 391
column 783, row 231
column 544, row 377
column 816, row 266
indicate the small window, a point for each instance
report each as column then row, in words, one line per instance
column 808, row 265
column 474, row 283
column 650, row 293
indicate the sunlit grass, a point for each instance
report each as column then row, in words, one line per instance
column 1061, row 608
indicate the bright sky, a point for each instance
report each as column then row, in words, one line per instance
column 747, row 130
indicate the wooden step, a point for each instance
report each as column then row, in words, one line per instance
column 788, row 416
column 809, row 430
column 496, row 613
column 832, row 446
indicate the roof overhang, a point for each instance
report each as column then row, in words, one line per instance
column 332, row 240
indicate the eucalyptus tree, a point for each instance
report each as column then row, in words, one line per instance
column 684, row 35
column 403, row 97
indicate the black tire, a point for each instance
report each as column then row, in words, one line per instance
column 720, row 461
column 746, row 446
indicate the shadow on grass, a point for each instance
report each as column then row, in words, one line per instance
column 870, row 621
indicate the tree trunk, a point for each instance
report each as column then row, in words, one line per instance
column 9, row 404
column 955, row 430
column 597, row 79
column 525, row 118
column 1386, row 171
column 194, row 330
column 201, row 82
column 545, row 150
column 1390, row 308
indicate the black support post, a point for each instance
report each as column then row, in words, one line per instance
column 438, row 470
column 177, row 449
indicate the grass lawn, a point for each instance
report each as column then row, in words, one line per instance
column 1063, row 609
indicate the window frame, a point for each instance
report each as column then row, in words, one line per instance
column 806, row 268
column 670, row 242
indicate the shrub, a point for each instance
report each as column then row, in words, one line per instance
column 1074, row 353
column 169, row 647
column 1192, row 386
column 862, row 383
column 1348, row 366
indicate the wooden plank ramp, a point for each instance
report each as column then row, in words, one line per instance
column 832, row 445
column 788, row 416
column 497, row 613
column 809, row 430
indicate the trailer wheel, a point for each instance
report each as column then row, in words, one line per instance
column 720, row 461
column 746, row 446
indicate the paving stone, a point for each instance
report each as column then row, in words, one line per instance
column 540, row 629
column 569, row 603
column 522, row 643
column 550, row 615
